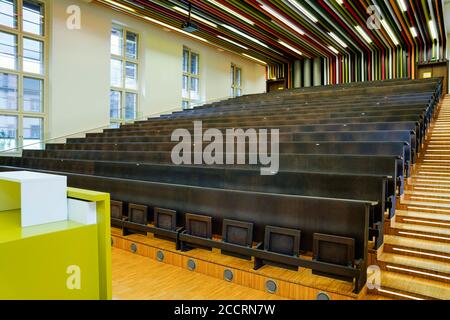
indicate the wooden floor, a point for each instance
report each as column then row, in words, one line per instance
column 138, row 278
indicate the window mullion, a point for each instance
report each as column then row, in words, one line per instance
column 19, row 72
column 19, row 16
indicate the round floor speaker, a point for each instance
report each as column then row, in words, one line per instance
column 160, row 256
column 228, row 275
column 323, row 296
column 271, row 286
column 191, row 265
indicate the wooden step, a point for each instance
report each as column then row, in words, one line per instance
column 422, row 198
column 424, row 232
column 430, row 188
column 423, row 209
column 418, row 267
column 434, row 250
column 427, row 217
column 440, row 176
column 436, row 157
column 445, row 195
column 436, row 186
column 412, row 287
column 434, row 161
column 434, row 178
column 434, row 168
column 426, row 204
column 426, row 181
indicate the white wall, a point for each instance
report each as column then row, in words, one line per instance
column 79, row 68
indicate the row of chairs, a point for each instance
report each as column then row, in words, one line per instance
column 327, row 249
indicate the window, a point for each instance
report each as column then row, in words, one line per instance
column 22, row 74
column 191, row 78
column 236, row 74
column 123, row 103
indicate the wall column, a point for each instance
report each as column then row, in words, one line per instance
column 317, row 75
column 297, row 74
column 307, row 72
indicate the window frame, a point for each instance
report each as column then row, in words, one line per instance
column 115, row 122
column 20, row 113
column 234, row 86
column 189, row 100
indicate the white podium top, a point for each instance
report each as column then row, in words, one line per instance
column 27, row 176
column 42, row 198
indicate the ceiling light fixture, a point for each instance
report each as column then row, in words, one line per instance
column 303, row 10
column 245, row 35
column 389, row 31
column 337, row 39
column 287, row 45
column 196, row 17
column 363, row 34
column 413, row 32
column 402, row 5
column 282, row 19
column 233, row 42
column 333, row 49
column 433, row 29
column 234, row 13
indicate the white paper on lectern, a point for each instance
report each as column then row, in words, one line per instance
column 43, row 196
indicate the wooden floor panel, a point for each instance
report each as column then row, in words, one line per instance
column 138, row 278
column 301, row 284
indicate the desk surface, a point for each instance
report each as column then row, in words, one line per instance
column 11, row 230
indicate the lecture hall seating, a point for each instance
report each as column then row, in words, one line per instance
column 345, row 152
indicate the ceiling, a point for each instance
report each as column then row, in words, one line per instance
column 280, row 31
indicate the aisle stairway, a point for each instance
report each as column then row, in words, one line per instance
column 415, row 260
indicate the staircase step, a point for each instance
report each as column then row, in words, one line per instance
column 421, row 231
column 412, row 287
column 431, row 199
column 434, row 186
column 441, row 176
column 417, row 247
column 437, row 267
column 435, row 161
column 436, row 217
column 415, row 266
column 430, row 188
column 434, row 168
column 444, row 175
column 414, row 192
column 426, row 204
